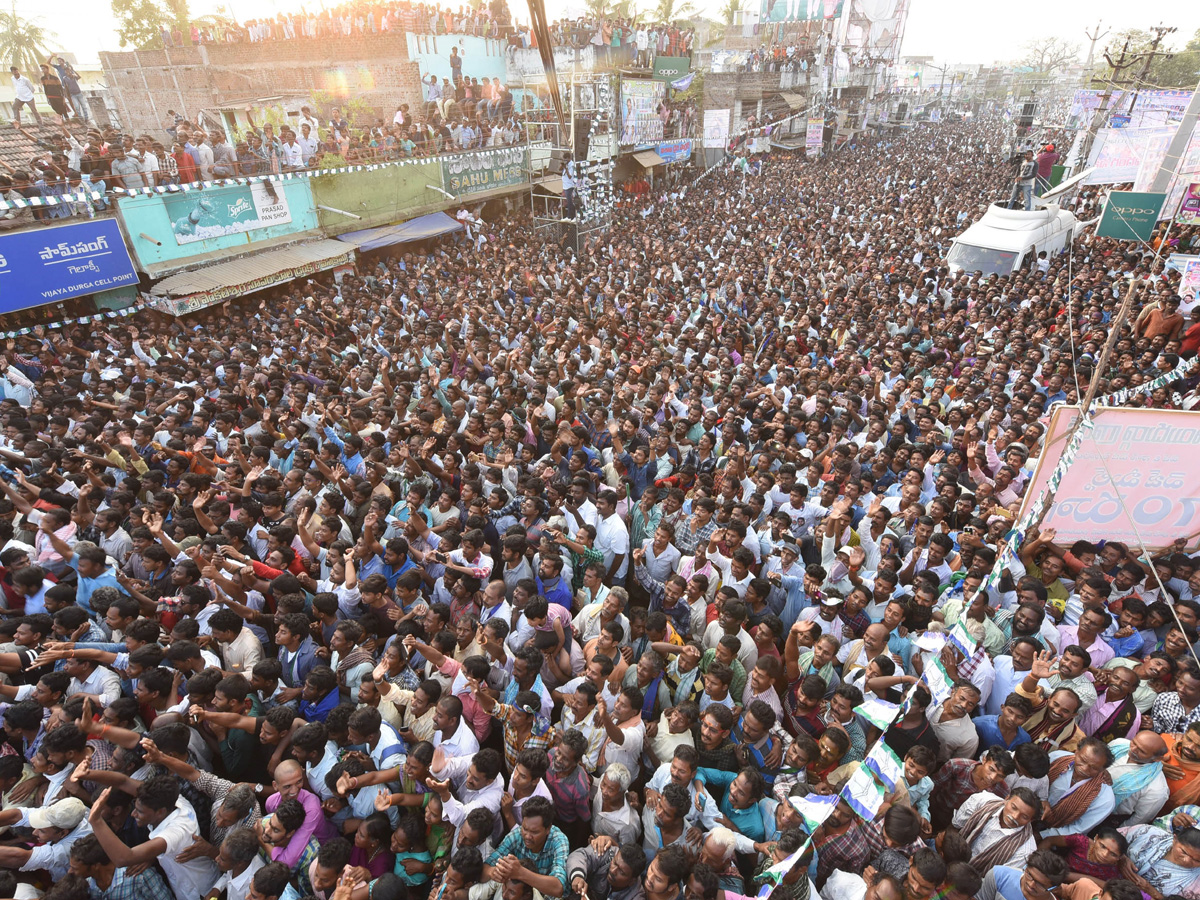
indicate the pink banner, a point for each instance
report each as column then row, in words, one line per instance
column 1151, row 457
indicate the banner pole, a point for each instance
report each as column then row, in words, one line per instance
column 1085, row 407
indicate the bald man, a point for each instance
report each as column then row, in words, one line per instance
column 290, row 783
column 1138, row 782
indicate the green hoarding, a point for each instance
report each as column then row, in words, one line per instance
column 1130, row 216
column 486, row 170
column 671, row 68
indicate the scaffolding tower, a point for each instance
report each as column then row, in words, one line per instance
column 587, row 139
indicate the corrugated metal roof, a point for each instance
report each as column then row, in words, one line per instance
column 249, row 268
column 795, row 101
column 648, row 158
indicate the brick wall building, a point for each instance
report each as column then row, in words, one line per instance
column 146, row 83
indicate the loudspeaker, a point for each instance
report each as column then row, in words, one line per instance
column 1025, row 119
column 583, row 130
column 901, row 112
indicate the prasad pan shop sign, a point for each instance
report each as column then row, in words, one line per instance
column 46, row 265
column 473, row 173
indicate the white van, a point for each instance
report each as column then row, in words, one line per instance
column 1005, row 238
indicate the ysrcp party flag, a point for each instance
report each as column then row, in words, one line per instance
column 777, row 872
column 883, row 761
column 863, row 793
column 878, row 712
column 961, row 638
column 937, row 679
column 814, row 808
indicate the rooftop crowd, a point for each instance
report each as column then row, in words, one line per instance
column 621, row 39
column 506, row 569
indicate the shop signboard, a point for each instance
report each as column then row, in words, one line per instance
column 670, row 68
column 47, row 265
column 161, row 243
column 474, row 173
column 1130, row 215
column 675, row 151
column 200, row 215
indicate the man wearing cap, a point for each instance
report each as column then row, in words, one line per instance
column 55, row 828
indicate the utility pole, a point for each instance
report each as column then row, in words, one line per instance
column 1117, row 67
column 1160, row 32
column 1092, row 49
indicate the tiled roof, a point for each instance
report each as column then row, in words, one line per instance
column 16, row 149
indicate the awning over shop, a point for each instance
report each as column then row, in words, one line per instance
column 795, row 101
column 417, row 229
column 551, row 184
column 190, row 291
column 648, row 158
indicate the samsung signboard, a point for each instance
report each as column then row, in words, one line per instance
column 48, row 265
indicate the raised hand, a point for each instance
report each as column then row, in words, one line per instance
column 1045, row 664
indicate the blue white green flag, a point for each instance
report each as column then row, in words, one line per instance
column 814, row 808
column 883, row 761
column 879, row 713
column 863, row 793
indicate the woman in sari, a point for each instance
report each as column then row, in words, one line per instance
column 1098, row 857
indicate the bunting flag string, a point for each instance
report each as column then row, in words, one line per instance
column 84, row 320
column 242, row 181
column 1016, row 534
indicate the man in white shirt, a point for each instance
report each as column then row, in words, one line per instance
column 998, row 830
column 173, row 828
column 308, row 142
column 238, row 858
column 453, row 736
column 477, row 779
column 206, row 158
column 293, row 153
column 1139, row 786
column 23, row 88
column 612, row 538
column 90, row 678
column 307, row 118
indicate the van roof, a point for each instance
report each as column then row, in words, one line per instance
column 1011, row 229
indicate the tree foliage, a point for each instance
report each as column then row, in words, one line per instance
column 23, row 43
column 729, row 10
column 140, row 22
column 672, row 10
column 1050, row 55
column 1180, row 70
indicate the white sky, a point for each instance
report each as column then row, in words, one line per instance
column 941, row 28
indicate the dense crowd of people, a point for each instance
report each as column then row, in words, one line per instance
column 349, row 20
column 618, row 39
column 76, row 162
column 503, row 568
